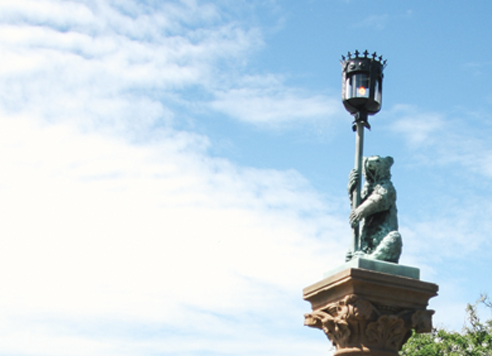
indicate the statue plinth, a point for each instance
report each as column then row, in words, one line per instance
column 367, row 312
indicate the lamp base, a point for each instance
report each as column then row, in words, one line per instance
column 377, row 266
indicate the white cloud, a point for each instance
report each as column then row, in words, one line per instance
column 257, row 107
column 112, row 60
column 96, row 228
column 445, row 140
column 421, row 129
column 452, row 209
column 109, row 58
column 373, row 21
column 267, row 102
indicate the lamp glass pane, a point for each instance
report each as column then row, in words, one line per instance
column 357, row 86
column 377, row 92
column 348, row 88
column 361, row 86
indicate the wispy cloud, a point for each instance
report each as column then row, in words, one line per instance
column 477, row 68
column 446, row 139
column 275, row 106
column 450, row 154
column 123, row 53
column 420, row 129
column 99, row 62
column 373, row 21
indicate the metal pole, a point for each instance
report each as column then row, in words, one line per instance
column 356, row 198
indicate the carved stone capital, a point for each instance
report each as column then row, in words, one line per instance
column 353, row 323
column 369, row 320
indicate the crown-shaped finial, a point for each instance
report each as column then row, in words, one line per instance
column 372, row 57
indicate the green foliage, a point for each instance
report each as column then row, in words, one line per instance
column 474, row 340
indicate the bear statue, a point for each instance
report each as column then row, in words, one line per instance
column 376, row 216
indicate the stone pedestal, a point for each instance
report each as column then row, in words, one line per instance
column 369, row 313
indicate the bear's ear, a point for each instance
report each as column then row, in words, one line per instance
column 389, row 161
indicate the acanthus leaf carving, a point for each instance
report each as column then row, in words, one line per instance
column 387, row 332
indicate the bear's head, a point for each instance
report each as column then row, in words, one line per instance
column 376, row 168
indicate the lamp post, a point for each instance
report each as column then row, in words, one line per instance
column 362, row 79
column 369, row 306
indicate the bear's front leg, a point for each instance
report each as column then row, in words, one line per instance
column 356, row 215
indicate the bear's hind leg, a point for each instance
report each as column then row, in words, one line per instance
column 389, row 248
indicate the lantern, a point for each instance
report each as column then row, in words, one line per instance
column 362, row 79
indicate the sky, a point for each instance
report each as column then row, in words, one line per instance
column 174, row 172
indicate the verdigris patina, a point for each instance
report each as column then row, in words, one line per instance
column 376, row 216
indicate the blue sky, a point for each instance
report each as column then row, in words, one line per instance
column 174, row 172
